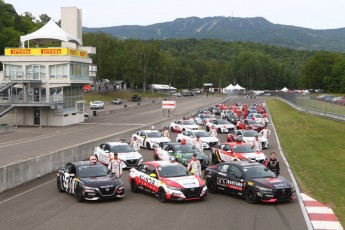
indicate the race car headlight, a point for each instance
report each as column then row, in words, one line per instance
column 173, row 188
column 263, row 189
column 88, row 189
column 141, row 159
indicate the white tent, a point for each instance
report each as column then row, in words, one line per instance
column 284, row 89
column 238, row 87
column 229, row 87
column 49, row 32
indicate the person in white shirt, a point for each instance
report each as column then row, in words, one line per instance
column 256, row 144
column 165, row 132
column 213, row 131
column 198, row 144
column 135, row 144
column 115, row 166
column 194, row 166
column 265, row 132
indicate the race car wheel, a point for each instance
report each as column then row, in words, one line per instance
column 78, row 194
column 134, row 187
column 172, row 129
column 148, row 147
column 250, row 196
column 58, row 184
column 211, row 186
column 161, row 195
column 207, row 129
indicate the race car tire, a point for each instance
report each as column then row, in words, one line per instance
column 78, row 194
column 161, row 195
column 250, row 196
column 172, row 129
column 183, row 130
column 134, row 186
column 211, row 187
column 58, row 184
column 207, row 129
column 148, row 147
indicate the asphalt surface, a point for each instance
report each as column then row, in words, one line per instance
column 38, row 205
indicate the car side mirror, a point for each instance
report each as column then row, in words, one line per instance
column 153, row 175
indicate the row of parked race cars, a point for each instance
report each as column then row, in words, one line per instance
column 237, row 167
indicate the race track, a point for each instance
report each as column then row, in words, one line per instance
column 38, row 205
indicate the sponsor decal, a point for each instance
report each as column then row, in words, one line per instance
column 250, row 183
column 45, row 52
column 273, row 180
column 229, row 184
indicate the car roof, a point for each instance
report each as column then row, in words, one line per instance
column 160, row 163
column 115, row 143
column 84, row 163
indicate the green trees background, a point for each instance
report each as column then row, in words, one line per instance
column 188, row 63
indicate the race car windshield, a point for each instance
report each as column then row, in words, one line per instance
column 154, row 134
column 172, row 171
column 188, row 122
column 207, row 116
column 243, row 149
column 96, row 102
column 253, row 122
column 250, row 133
column 259, row 171
column 259, row 115
column 223, row 122
column 86, row 171
column 184, row 148
column 121, row 149
column 202, row 134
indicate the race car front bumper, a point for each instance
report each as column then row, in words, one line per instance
column 187, row 193
column 284, row 194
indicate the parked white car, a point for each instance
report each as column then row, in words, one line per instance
column 190, row 136
column 183, row 125
column 125, row 153
column 222, row 126
column 96, row 105
column 248, row 136
column 148, row 138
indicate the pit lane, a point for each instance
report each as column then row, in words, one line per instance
column 37, row 205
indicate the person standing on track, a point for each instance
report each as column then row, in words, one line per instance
column 194, row 166
column 135, row 144
column 165, row 132
column 256, row 144
column 273, row 164
column 115, row 166
column 198, row 144
column 213, row 131
column 265, row 132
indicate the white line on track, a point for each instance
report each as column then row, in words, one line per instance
column 27, row 191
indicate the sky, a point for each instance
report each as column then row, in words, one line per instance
column 314, row 14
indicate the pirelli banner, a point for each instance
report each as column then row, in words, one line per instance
column 63, row 51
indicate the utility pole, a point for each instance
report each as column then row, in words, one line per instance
column 171, row 72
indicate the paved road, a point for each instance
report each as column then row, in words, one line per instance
column 37, row 205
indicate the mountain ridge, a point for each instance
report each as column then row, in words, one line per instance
column 255, row 29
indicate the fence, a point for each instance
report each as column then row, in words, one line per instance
column 311, row 104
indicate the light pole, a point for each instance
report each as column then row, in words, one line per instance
column 171, row 72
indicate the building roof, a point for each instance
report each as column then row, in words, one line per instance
column 49, row 32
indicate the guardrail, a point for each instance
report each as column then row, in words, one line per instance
column 323, row 114
column 21, row 172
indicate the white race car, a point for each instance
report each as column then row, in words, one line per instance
column 183, row 125
column 222, row 126
column 202, row 119
column 147, row 138
column 190, row 136
column 125, row 153
column 97, row 105
column 248, row 136
column 167, row 181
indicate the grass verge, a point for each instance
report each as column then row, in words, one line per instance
column 124, row 95
column 315, row 149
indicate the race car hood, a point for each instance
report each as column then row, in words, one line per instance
column 191, row 126
column 100, row 182
column 255, row 156
column 209, row 139
column 129, row 156
column 251, row 139
column 159, row 139
column 274, row 183
column 229, row 126
column 183, row 182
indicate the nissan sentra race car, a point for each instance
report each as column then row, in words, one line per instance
column 232, row 151
column 167, row 181
column 148, row 138
column 183, row 125
column 222, row 126
column 125, row 153
column 89, row 181
column 249, row 180
column 190, row 137
column 248, row 136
